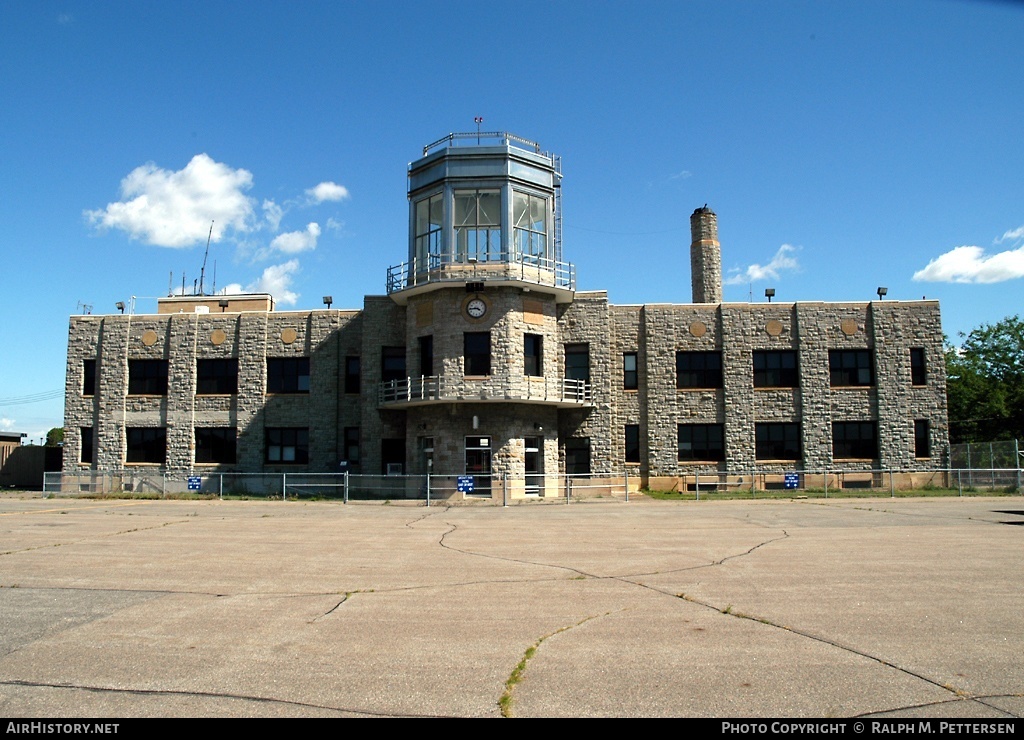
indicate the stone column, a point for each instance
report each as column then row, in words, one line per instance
column 705, row 257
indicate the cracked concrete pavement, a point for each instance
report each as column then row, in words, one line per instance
column 855, row 607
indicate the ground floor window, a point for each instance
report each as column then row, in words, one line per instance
column 922, row 439
column 147, row 445
column 286, row 445
column 351, row 451
column 701, row 442
column 534, row 465
column 632, row 443
column 392, row 456
column 577, row 456
column 478, row 464
column 216, row 445
column 87, row 447
column 777, row 441
column 856, row 440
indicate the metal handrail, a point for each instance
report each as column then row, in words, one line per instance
column 437, row 268
column 504, row 136
column 427, row 388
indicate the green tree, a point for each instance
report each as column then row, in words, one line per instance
column 985, row 383
column 55, row 437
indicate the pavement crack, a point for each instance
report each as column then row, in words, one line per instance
column 344, row 598
column 728, row 610
column 505, row 701
column 211, row 695
column 87, row 539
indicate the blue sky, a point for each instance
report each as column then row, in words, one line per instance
column 843, row 146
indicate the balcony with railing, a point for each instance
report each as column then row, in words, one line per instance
column 494, row 268
column 423, row 390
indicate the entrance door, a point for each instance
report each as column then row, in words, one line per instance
column 534, row 466
column 478, row 464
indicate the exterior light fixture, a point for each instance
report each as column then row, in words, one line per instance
column 223, row 303
column 882, row 293
column 119, row 306
column 769, row 293
column 328, row 300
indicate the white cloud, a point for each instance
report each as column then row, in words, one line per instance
column 1012, row 234
column 294, row 242
column 65, row 18
column 174, row 209
column 969, row 264
column 681, row 175
column 6, row 424
column 276, row 280
column 781, row 261
column 273, row 213
column 327, row 191
column 334, row 224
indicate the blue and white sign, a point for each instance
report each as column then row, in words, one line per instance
column 792, row 480
column 195, row 482
column 465, row 484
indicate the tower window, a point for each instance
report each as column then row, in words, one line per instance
column 922, row 439
column 88, row 377
column 529, row 218
column 392, row 364
column 533, row 354
column 427, row 355
column 478, row 225
column 87, row 447
column 477, row 355
column 429, row 223
column 918, row 374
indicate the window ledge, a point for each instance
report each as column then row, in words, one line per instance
column 852, row 387
column 700, row 390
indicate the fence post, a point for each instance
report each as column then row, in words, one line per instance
column 284, row 486
column 753, row 475
column 163, row 491
column 696, row 484
column 568, row 488
column 220, row 488
column 428, row 486
column 1016, row 457
column 504, row 489
column 824, row 477
column 960, row 481
column 627, row 483
column 970, row 475
column 892, row 486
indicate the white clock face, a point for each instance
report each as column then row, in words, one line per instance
column 476, row 308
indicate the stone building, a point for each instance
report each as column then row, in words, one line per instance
column 484, row 359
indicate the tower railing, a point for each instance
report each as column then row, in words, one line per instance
column 565, row 392
column 521, row 267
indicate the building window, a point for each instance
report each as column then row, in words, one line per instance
column 701, row 442
column 775, row 369
column 856, row 440
column 147, row 377
column 351, row 450
column 392, row 456
column 777, row 441
column 89, row 377
column 392, row 364
column 216, row 445
column 286, row 445
column 851, row 367
column 478, row 225
column 287, row 375
column 577, row 456
column 529, row 219
column 352, row 374
column 918, row 374
column 477, row 352
column 630, row 379
column 533, row 354
column 427, row 355
column 632, row 443
column 577, row 362
column 429, row 224
column 147, row 445
column 922, row 439
column 216, row 377
column 698, row 369
column 86, row 453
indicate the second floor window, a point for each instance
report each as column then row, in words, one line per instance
column 147, row 377
column 850, row 367
column 698, row 369
column 775, row 369
column 577, row 361
column 533, row 357
column 216, row 377
column 287, row 375
column 392, row 364
column 89, row 377
column 477, row 352
column 630, row 377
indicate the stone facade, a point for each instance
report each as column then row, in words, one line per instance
column 496, row 360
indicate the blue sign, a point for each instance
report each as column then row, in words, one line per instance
column 465, row 484
column 792, row 480
column 195, row 482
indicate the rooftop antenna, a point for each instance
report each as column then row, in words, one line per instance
column 170, row 283
column 478, row 120
column 202, row 273
column 85, row 308
column 214, row 277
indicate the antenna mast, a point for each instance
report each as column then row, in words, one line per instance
column 202, row 273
